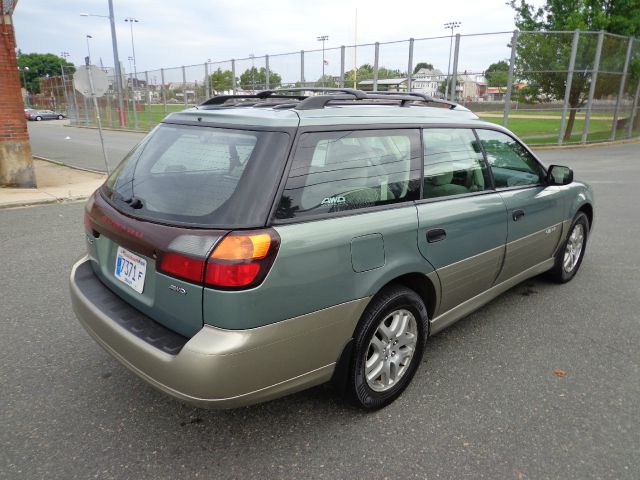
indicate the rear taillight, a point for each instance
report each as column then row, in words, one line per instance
column 242, row 259
column 181, row 266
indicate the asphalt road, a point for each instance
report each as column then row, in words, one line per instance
column 484, row 405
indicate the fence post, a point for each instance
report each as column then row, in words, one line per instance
column 184, row 86
column 623, row 82
column 567, row 90
column 634, row 111
column 376, row 59
column 342, row 58
column 86, row 111
column 234, row 86
column 302, row 68
column 148, row 92
column 512, row 61
column 456, row 52
column 410, row 67
column 266, row 73
column 164, row 94
column 592, row 87
column 207, row 89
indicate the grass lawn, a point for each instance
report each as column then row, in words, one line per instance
column 530, row 128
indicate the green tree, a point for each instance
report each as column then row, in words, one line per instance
column 327, row 81
column 256, row 79
column 542, row 58
column 221, row 80
column 37, row 65
column 422, row 65
column 365, row 72
column 497, row 74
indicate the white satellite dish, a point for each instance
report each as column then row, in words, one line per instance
column 83, row 85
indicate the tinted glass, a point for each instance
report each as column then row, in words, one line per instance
column 453, row 163
column 200, row 175
column 511, row 164
column 341, row 171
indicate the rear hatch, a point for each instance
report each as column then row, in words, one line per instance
column 153, row 224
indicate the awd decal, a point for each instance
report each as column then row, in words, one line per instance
column 333, row 200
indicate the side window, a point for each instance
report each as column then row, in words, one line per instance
column 350, row 170
column 511, row 164
column 453, row 163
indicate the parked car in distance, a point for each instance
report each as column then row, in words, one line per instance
column 257, row 245
column 37, row 115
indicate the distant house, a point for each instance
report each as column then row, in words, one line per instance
column 496, row 94
column 474, row 87
column 385, row 85
column 428, row 82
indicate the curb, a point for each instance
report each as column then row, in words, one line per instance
column 43, row 201
column 62, row 164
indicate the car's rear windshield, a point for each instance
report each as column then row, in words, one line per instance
column 200, row 176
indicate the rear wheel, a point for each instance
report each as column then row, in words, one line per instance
column 38, row 118
column 60, row 117
column 569, row 257
column 388, row 347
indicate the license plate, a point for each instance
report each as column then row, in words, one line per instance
column 130, row 269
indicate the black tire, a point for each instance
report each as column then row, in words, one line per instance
column 559, row 272
column 38, row 118
column 398, row 300
column 60, row 117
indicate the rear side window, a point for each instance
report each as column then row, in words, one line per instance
column 511, row 164
column 351, row 170
column 201, row 176
column 453, row 163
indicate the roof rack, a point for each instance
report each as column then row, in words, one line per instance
column 314, row 102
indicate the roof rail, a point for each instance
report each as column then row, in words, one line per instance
column 279, row 93
column 314, row 102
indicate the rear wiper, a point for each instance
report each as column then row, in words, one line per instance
column 134, row 202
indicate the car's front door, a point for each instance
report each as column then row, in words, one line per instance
column 462, row 221
column 534, row 211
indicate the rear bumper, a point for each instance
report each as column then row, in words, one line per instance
column 215, row 368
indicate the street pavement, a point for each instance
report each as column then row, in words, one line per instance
column 485, row 404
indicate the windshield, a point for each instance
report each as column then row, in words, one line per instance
column 203, row 176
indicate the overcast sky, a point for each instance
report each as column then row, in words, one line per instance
column 189, row 32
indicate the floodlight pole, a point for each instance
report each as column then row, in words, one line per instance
column 323, row 38
column 451, row 26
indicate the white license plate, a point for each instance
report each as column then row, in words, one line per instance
column 130, row 269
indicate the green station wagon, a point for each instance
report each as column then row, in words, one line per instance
column 258, row 245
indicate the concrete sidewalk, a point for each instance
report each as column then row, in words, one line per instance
column 56, row 184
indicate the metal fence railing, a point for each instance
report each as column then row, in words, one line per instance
column 548, row 87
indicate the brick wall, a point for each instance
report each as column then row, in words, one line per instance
column 16, row 163
column 13, row 125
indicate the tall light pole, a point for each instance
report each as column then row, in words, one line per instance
column 323, row 38
column 131, row 21
column 116, row 60
column 450, row 25
column 64, row 55
column 24, row 81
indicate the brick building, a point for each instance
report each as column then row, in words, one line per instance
column 16, row 163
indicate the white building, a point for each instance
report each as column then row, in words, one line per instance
column 428, row 82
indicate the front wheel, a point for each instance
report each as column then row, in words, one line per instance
column 60, row 117
column 38, row 118
column 388, row 347
column 569, row 257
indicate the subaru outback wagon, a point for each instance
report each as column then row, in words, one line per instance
column 257, row 245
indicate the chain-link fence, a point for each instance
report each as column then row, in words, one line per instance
column 548, row 87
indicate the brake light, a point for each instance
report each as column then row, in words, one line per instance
column 242, row 259
column 181, row 266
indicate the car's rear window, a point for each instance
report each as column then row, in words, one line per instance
column 201, row 176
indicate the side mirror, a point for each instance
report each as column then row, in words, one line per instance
column 559, row 175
